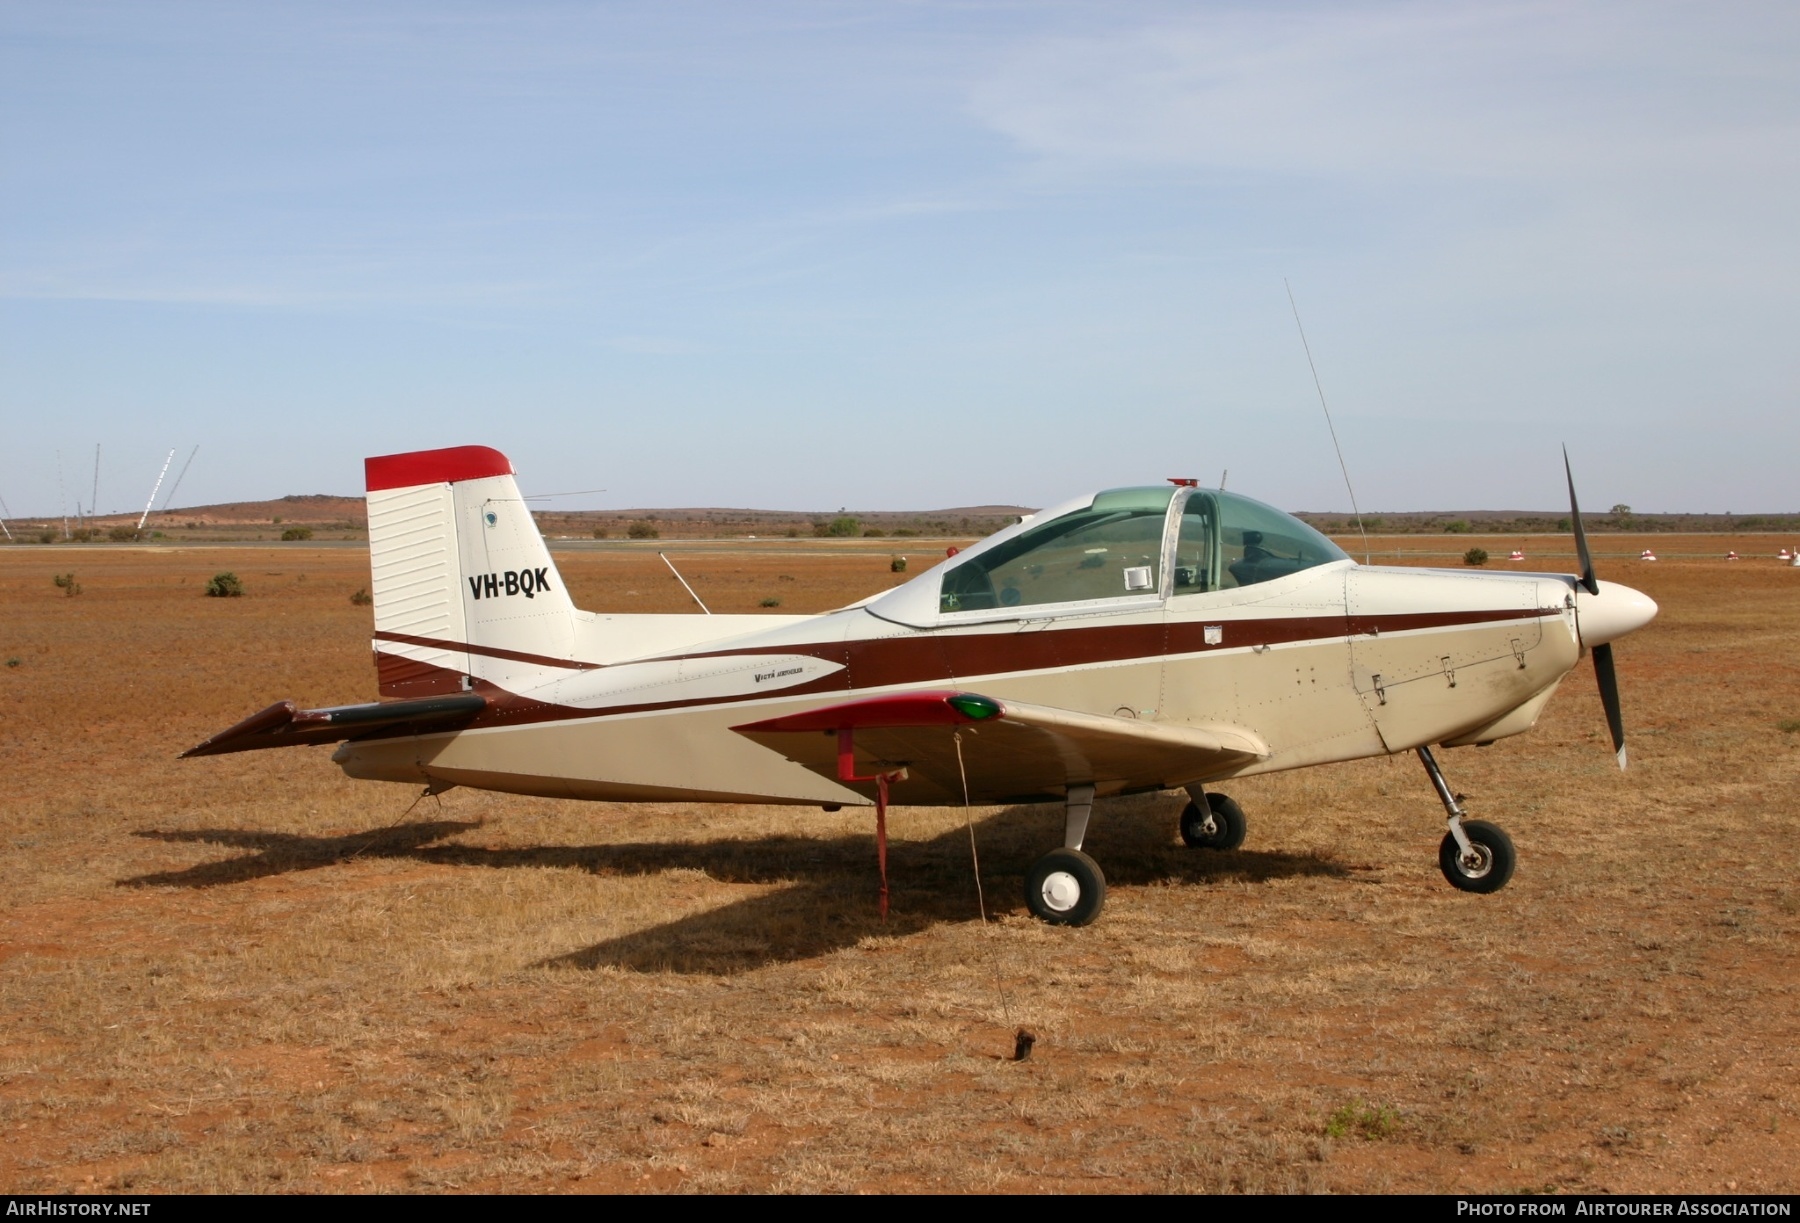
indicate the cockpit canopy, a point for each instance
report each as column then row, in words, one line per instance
column 1129, row 544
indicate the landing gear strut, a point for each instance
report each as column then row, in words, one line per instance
column 1475, row 856
column 1065, row 887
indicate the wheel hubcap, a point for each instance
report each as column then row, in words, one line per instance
column 1060, row 891
column 1477, row 862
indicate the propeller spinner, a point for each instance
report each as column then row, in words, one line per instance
column 1603, row 614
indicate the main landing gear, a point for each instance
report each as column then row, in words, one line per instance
column 1475, row 856
column 1212, row 821
column 1065, row 887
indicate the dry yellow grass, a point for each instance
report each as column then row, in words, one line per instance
column 249, row 973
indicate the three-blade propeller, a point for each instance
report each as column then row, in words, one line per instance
column 1604, row 672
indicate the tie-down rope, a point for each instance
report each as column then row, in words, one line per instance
column 980, row 896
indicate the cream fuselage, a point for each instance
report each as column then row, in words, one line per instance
column 1333, row 663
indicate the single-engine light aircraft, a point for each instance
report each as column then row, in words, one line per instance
column 1133, row 640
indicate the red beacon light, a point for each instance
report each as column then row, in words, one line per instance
column 1183, row 482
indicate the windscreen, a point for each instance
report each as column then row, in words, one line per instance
column 1259, row 543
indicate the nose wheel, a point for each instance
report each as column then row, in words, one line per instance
column 1487, row 863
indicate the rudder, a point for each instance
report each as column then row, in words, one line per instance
column 464, row 587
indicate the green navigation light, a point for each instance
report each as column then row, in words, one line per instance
column 975, row 707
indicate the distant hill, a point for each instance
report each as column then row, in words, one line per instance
column 308, row 509
column 334, row 517
column 1539, row 522
column 715, row 522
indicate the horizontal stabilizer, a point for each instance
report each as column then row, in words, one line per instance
column 1009, row 751
column 284, row 725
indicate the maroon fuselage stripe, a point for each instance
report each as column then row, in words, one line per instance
column 487, row 651
column 940, row 657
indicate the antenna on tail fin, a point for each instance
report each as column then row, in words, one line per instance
column 683, row 581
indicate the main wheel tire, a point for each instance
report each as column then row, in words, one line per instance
column 1065, row 887
column 1488, row 868
column 1224, row 830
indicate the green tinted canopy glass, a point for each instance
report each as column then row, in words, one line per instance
column 1227, row 540
column 1109, row 549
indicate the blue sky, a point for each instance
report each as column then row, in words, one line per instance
column 904, row 255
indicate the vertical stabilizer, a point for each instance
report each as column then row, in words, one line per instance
column 464, row 587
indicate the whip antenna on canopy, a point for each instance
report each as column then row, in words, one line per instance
column 1318, row 386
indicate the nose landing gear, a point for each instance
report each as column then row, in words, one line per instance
column 1475, row 856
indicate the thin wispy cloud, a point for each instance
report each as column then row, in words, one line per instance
column 1050, row 234
column 1378, row 90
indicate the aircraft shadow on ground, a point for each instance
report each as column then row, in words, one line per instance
column 829, row 885
column 280, row 853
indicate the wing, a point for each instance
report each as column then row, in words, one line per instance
column 284, row 725
column 1009, row 752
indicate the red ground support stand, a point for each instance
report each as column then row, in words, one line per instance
column 847, row 772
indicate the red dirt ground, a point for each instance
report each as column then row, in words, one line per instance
column 249, row 973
